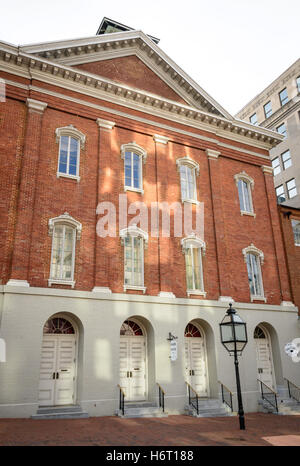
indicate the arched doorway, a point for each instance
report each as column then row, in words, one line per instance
column 264, row 359
column 133, row 360
column 195, row 359
column 58, row 363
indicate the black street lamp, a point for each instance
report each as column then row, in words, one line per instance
column 234, row 338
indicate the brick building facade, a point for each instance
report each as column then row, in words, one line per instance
column 112, row 95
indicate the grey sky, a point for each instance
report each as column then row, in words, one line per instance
column 232, row 48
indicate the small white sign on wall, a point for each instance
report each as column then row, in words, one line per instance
column 2, row 350
column 173, row 350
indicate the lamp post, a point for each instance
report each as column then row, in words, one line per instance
column 234, row 338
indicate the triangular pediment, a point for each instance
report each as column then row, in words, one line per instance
column 105, row 56
column 132, row 72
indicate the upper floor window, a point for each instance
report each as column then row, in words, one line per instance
column 193, row 249
column 245, row 184
column 268, row 109
column 298, row 83
column 188, row 170
column 291, row 188
column 70, row 141
column 134, row 156
column 276, row 166
column 283, row 96
column 134, row 241
column 253, row 119
column 286, row 159
column 281, row 129
column 296, row 231
column 280, row 194
column 64, row 231
column 254, row 258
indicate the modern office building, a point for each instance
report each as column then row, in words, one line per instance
column 278, row 108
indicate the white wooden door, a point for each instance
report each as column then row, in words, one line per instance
column 132, row 367
column 57, row 370
column 196, row 371
column 264, row 362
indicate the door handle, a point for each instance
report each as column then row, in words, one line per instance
column 130, row 374
column 53, row 375
column 57, row 375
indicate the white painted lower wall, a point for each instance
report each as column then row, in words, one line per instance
column 99, row 316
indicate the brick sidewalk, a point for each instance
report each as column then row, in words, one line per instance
column 261, row 429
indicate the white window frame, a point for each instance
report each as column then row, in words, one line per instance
column 132, row 232
column 194, row 166
column 295, row 222
column 287, row 160
column 70, row 131
column 189, row 243
column 259, row 255
column 64, row 220
column 291, row 189
column 142, row 154
column 250, row 186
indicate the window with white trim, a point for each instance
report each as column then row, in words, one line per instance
column 276, row 166
column 134, row 156
column 280, row 194
column 64, row 231
column 194, row 249
column 254, row 258
column 134, row 241
column 245, row 185
column 281, row 129
column 296, row 231
column 286, row 159
column 188, row 170
column 70, row 141
column 291, row 188
column 253, row 119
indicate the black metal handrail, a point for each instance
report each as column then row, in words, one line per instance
column 193, row 400
column 227, row 395
column 161, row 397
column 294, row 390
column 268, row 394
column 121, row 400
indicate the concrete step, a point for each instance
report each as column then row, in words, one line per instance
column 142, row 409
column 58, row 412
column 209, row 408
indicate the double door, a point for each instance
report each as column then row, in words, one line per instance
column 57, row 370
column 195, row 365
column 132, row 367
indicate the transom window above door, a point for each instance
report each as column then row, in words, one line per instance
column 134, row 156
column 70, row 142
column 58, row 325
column 188, row 170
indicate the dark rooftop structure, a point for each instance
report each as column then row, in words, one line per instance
column 108, row 26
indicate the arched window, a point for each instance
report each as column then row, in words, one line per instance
column 259, row 333
column 134, row 156
column 134, row 241
column 254, row 258
column 58, row 325
column 70, row 141
column 131, row 328
column 192, row 331
column 64, row 231
column 245, row 185
column 193, row 249
column 188, row 170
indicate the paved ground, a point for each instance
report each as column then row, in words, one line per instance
column 261, row 429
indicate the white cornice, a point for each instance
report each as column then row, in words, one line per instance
column 87, row 84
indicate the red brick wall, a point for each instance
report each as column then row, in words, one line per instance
column 133, row 72
column 102, row 178
column 292, row 251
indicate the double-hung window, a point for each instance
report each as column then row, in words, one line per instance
column 134, row 241
column 188, row 170
column 280, row 194
column 194, row 249
column 253, row 119
column 296, row 231
column 281, row 129
column 134, row 156
column 276, row 166
column 283, row 96
column 245, row 185
column 291, row 188
column 268, row 109
column 64, row 231
column 286, row 159
column 254, row 259
column 70, row 142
